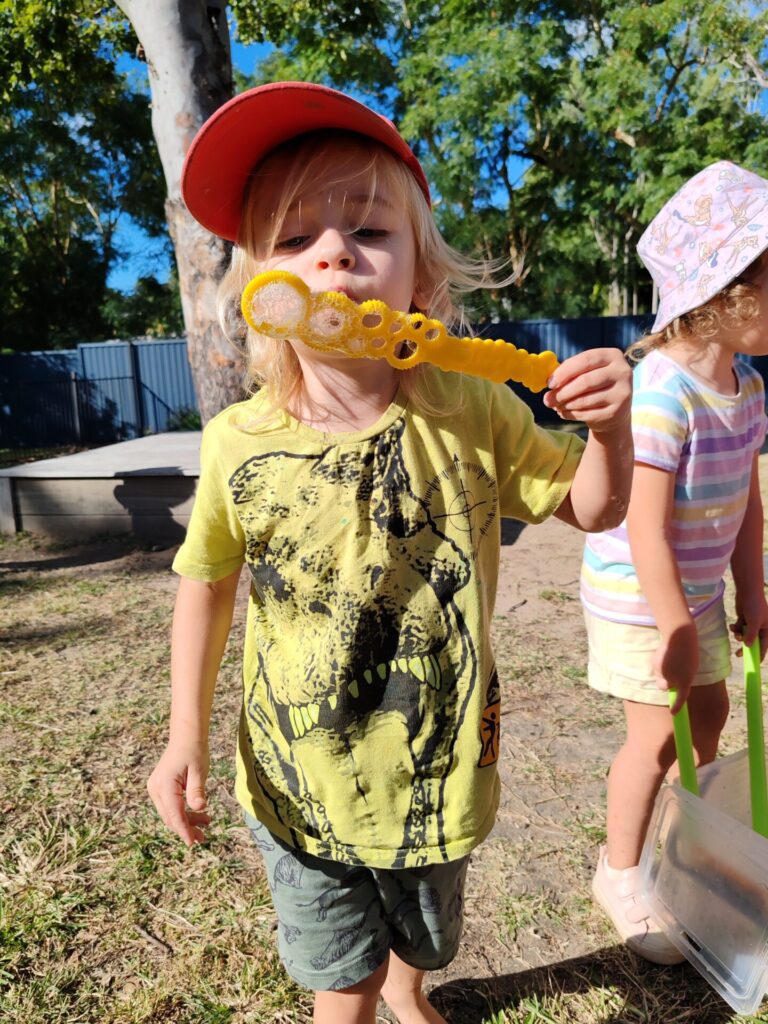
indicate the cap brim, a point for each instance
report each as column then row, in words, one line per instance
column 244, row 130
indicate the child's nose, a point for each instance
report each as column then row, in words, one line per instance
column 334, row 252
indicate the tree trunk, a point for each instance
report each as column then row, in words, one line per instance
column 186, row 47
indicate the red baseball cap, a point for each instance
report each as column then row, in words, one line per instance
column 246, row 128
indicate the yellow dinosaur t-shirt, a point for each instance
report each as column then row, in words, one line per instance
column 370, row 724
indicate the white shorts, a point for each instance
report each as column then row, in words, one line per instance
column 620, row 656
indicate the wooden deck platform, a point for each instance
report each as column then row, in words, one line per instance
column 143, row 487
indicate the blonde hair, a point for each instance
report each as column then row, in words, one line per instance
column 737, row 305
column 277, row 183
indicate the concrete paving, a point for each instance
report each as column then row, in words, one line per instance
column 173, row 454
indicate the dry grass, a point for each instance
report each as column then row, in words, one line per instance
column 107, row 918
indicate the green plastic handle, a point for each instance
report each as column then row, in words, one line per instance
column 755, row 739
column 681, row 725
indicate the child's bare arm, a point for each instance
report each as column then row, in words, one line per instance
column 650, row 511
column 595, row 387
column 748, row 574
column 201, row 622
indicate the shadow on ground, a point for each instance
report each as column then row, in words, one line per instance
column 90, row 552
column 511, row 530
column 647, row 993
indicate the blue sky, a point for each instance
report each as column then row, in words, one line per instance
column 145, row 257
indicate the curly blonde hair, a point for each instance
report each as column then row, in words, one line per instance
column 737, row 305
column 277, row 183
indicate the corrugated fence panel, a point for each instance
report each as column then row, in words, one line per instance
column 568, row 337
column 167, row 385
column 629, row 328
column 98, row 393
column 38, row 401
column 106, row 359
column 112, row 397
column 18, row 366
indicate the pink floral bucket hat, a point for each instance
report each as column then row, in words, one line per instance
column 705, row 236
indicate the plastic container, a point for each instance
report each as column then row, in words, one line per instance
column 705, row 875
column 704, row 866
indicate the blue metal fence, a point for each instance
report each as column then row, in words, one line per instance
column 95, row 394
column 567, row 337
column 111, row 391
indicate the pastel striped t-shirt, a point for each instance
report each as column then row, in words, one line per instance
column 708, row 440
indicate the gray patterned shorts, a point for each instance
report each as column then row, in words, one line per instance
column 338, row 922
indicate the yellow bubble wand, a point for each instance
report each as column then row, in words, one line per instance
column 280, row 305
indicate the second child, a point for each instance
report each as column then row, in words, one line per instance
column 653, row 588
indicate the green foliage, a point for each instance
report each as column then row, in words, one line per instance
column 42, row 41
column 335, row 32
column 77, row 156
column 152, row 310
column 184, row 419
column 548, row 131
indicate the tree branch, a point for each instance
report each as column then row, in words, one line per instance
column 757, row 71
column 678, row 69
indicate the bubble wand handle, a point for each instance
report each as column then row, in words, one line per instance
column 280, row 305
column 681, row 727
column 758, row 787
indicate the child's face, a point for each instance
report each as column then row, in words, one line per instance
column 336, row 238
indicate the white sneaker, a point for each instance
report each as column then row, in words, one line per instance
column 618, row 893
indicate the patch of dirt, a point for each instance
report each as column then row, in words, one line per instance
column 539, row 574
column 538, row 858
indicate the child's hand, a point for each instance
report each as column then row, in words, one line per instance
column 594, row 387
column 676, row 662
column 751, row 623
column 181, row 772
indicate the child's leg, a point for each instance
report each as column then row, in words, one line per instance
column 634, row 779
column 708, row 711
column 647, row 755
column 399, row 985
column 633, row 782
column 354, row 1005
column 402, row 992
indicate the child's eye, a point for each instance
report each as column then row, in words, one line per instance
column 294, row 242
column 371, row 233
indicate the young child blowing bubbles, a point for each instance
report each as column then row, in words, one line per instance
column 366, row 503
